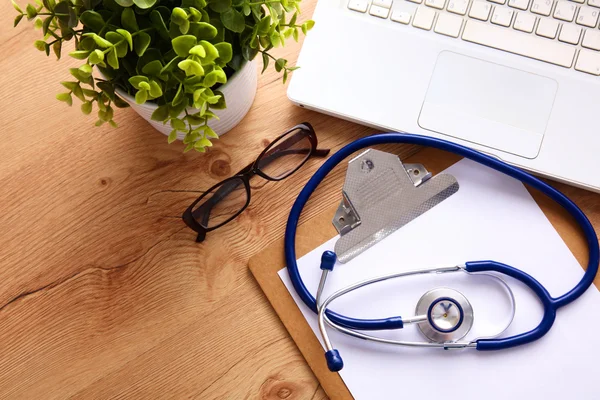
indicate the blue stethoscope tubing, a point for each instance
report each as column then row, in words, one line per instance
column 550, row 304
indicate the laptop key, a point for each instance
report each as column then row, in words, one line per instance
column 591, row 39
column 588, row 61
column 380, row 12
column 480, row 10
column 587, row 17
column 401, row 16
column 448, row 25
column 424, row 18
column 358, row 5
column 519, row 43
column 458, row 6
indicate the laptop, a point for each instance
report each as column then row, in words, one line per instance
column 516, row 79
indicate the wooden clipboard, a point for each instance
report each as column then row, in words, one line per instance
column 314, row 232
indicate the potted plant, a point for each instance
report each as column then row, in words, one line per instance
column 176, row 62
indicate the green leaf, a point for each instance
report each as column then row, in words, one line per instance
column 99, row 122
column 309, row 24
column 127, row 37
column 100, row 41
column 203, row 30
column 184, row 27
column 128, row 20
column 225, row 52
column 141, row 97
column 178, row 16
column 40, row 45
column 288, row 32
column 188, row 147
column 107, row 88
column 79, row 93
column 86, row 107
column 198, row 50
column 161, row 113
column 191, row 67
column 213, row 77
column 178, row 124
column 220, row 6
column 285, row 76
column 153, row 68
column 69, row 85
column 246, row 10
column 92, row 20
column 179, row 96
column 37, row 24
column 79, row 54
column 155, row 89
column 16, row 6
column 56, row 47
column 265, row 59
column 233, row 20
column 113, row 124
column 31, row 12
column 113, row 59
column 221, row 104
column 144, row 4
column 211, row 51
column 86, row 69
column 113, row 37
column 120, row 103
column 293, row 19
column 172, row 136
column 208, row 132
column 176, row 109
column 96, row 57
column 159, row 24
column 141, row 43
column 264, row 25
column 46, row 25
column 124, row 3
column 18, row 19
column 295, row 34
column 66, row 97
column 183, row 44
column 280, row 64
column 137, row 79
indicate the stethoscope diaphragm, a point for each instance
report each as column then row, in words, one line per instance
column 449, row 315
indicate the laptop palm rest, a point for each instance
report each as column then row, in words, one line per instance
column 488, row 104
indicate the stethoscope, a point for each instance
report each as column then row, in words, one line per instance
column 443, row 315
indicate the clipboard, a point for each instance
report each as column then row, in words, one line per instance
column 314, row 232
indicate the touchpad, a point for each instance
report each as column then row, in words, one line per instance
column 489, row 104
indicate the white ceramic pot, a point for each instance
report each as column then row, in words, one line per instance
column 239, row 92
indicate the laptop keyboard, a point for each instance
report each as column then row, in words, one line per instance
column 560, row 32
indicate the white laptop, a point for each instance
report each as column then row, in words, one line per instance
column 518, row 79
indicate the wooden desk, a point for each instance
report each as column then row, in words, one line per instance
column 104, row 292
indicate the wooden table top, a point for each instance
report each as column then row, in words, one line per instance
column 104, row 292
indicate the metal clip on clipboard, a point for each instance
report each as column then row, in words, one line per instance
column 381, row 195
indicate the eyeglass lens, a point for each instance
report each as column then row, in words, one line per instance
column 221, row 204
column 286, row 154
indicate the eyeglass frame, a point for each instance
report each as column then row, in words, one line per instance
column 246, row 174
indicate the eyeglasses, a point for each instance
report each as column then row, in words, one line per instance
column 227, row 199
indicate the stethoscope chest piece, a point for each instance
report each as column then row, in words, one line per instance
column 449, row 315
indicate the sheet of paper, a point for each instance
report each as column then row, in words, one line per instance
column 491, row 217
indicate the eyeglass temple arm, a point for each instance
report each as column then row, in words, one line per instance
column 224, row 190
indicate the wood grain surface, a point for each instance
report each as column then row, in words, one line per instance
column 104, row 293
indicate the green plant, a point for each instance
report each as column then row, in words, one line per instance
column 175, row 53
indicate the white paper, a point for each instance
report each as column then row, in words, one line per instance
column 491, row 217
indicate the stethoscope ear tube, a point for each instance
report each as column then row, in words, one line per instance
column 396, row 322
